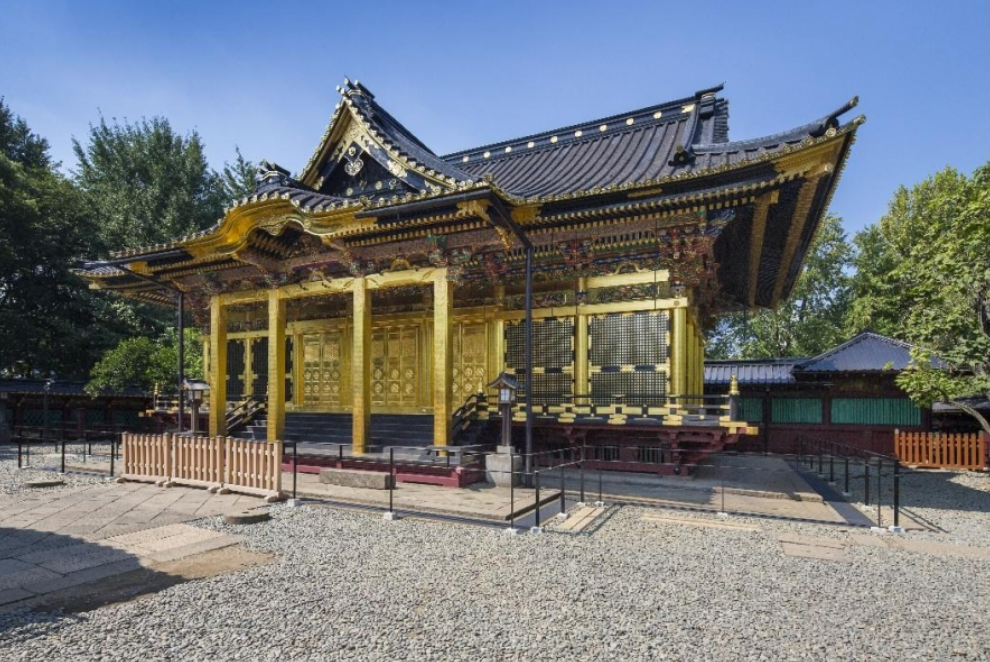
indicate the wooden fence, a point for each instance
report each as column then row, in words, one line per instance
column 217, row 463
column 946, row 451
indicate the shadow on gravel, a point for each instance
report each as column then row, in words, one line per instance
column 936, row 490
column 45, row 577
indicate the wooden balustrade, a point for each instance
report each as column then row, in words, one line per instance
column 218, row 463
column 945, row 451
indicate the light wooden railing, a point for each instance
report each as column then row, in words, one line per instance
column 217, row 463
column 946, row 451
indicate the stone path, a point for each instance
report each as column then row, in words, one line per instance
column 51, row 540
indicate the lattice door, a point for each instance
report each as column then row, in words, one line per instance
column 394, row 366
column 470, row 360
column 629, row 355
column 236, row 369
column 553, row 358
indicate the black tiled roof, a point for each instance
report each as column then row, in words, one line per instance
column 399, row 136
column 674, row 138
column 867, row 352
column 751, row 372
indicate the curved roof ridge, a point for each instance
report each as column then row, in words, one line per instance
column 812, row 129
column 568, row 131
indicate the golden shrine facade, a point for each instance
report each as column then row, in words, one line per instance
column 387, row 279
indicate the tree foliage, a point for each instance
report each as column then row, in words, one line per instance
column 146, row 183
column 147, row 364
column 934, row 243
column 809, row 322
column 46, row 322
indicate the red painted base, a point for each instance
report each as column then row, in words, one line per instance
column 425, row 474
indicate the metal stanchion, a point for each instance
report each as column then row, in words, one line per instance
column 391, row 480
column 63, row 456
column 821, row 458
column 112, row 454
column 536, row 497
column 560, row 468
column 866, row 476
column 581, row 472
column 295, row 466
column 879, row 491
column 846, row 492
column 600, row 501
column 512, row 492
column 831, row 466
column 897, row 497
column 20, row 462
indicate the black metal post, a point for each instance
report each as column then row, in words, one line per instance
column 536, row 480
column 831, row 467
column 113, row 452
column 581, row 468
column 391, row 477
column 897, row 493
column 63, row 456
column 528, row 330
column 512, row 490
column 847, row 473
column 44, row 406
column 866, row 476
column 295, row 464
column 560, row 468
column 181, row 325
column 599, row 479
column 879, row 491
column 19, row 451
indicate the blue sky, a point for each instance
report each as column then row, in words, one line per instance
column 261, row 75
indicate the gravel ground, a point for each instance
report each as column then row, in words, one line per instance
column 348, row 586
column 954, row 504
column 12, row 479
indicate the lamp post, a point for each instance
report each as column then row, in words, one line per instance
column 503, row 467
column 197, row 389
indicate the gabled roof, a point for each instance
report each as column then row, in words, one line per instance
column 360, row 121
column 866, row 352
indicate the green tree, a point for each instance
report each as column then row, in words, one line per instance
column 46, row 323
column 146, row 184
column 939, row 234
column 809, row 322
column 237, row 179
column 145, row 363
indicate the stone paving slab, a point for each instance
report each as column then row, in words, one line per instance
column 815, row 552
column 78, row 535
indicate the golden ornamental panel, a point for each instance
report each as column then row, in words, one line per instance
column 324, row 370
column 470, row 360
column 395, row 367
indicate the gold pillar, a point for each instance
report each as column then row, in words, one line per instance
column 218, row 367
column 361, row 367
column 498, row 334
column 276, row 365
column 679, row 348
column 581, row 346
column 443, row 357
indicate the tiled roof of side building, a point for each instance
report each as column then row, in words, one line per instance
column 751, row 372
column 866, row 352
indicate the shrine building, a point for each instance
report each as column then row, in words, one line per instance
column 384, row 282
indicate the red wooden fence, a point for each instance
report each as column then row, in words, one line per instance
column 945, row 451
